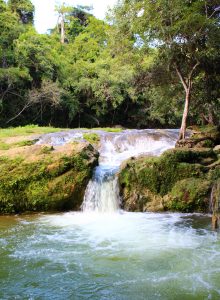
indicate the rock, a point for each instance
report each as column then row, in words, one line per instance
column 189, row 195
column 217, row 149
column 39, row 180
column 206, row 137
column 179, row 180
column 195, row 143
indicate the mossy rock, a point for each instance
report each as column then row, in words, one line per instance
column 208, row 132
column 55, row 181
column 147, row 182
column 202, row 137
column 159, row 174
column 189, row 195
column 141, row 200
column 195, row 155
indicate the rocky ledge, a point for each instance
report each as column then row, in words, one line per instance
column 182, row 179
column 37, row 178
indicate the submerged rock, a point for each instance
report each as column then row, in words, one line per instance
column 45, row 178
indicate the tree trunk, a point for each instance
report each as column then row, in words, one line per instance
column 182, row 133
column 62, row 39
column 187, row 84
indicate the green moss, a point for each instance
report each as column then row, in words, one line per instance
column 153, row 178
column 25, row 143
column 160, row 174
column 92, row 138
column 45, row 185
column 4, row 146
column 46, row 149
column 214, row 173
column 188, row 195
column 189, row 155
column 205, row 129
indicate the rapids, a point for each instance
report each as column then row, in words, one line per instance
column 120, row 256
column 104, row 252
column 102, row 193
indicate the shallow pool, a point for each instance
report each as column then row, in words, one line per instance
column 109, row 256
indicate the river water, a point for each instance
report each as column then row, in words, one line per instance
column 105, row 253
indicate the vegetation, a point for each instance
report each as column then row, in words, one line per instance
column 181, row 179
column 134, row 70
column 173, row 182
column 92, row 138
column 26, row 130
column 45, row 182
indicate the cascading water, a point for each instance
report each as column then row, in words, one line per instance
column 126, row 255
column 102, row 193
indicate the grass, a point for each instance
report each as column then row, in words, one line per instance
column 27, row 130
column 106, row 129
column 109, row 129
column 204, row 128
column 46, row 149
column 35, row 129
column 92, row 138
column 6, row 146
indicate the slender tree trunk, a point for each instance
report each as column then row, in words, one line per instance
column 187, row 84
column 182, row 133
column 62, row 38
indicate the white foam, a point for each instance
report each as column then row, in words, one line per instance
column 102, row 193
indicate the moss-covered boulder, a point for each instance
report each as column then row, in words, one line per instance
column 201, row 137
column 43, row 178
column 181, row 179
column 188, row 195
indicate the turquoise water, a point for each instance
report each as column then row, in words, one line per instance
column 109, row 256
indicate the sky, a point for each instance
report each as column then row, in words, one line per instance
column 46, row 18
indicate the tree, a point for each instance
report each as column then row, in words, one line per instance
column 72, row 21
column 180, row 30
column 63, row 12
column 49, row 94
column 38, row 54
column 24, row 8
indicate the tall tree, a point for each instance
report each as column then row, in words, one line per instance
column 71, row 21
column 179, row 29
column 63, row 13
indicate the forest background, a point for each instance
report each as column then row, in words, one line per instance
column 149, row 64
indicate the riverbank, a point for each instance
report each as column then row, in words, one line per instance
column 182, row 179
column 35, row 178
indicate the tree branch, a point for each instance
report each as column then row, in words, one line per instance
column 181, row 78
column 15, row 117
column 193, row 69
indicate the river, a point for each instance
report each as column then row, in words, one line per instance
column 103, row 252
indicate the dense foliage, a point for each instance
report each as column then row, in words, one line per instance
column 136, row 69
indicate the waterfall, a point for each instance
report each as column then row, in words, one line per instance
column 102, row 193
